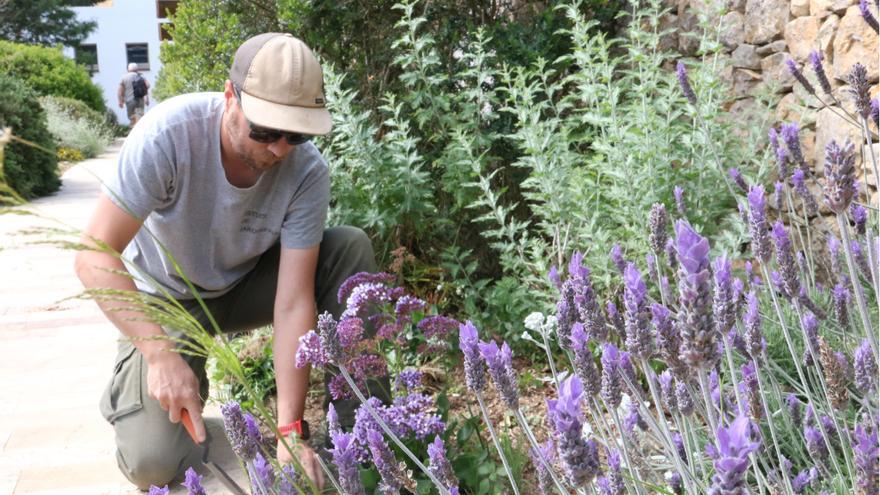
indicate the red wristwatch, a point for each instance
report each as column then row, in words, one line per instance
column 300, row 426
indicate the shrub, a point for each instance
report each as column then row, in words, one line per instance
column 49, row 72
column 30, row 170
column 76, row 126
column 70, row 155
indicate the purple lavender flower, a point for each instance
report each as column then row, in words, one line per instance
column 193, row 482
column 410, row 416
column 667, row 391
column 816, row 62
column 859, row 88
column 155, row 490
column 860, row 217
column 362, row 278
column 408, row 379
column 796, row 73
column 330, row 337
column 580, row 460
column 583, row 361
column 333, row 425
column 841, row 297
column 792, row 142
column 499, row 362
column 615, row 478
column 566, row 314
column 754, row 336
column 785, row 260
column 732, row 457
column 439, row 464
column 865, row 448
column 778, row 195
column 437, row 326
column 682, row 74
column 773, row 137
column 675, row 483
column 684, row 399
column 239, row 430
column 584, row 298
column 615, row 319
column 865, row 368
column 860, row 259
column 738, row 179
column 393, row 477
column 633, row 419
column 816, row 445
column 802, row 480
column 545, row 479
column 678, row 192
column 723, row 304
column 657, row 225
column 639, row 340
column 752, row 391
column 310, row 351
column 698, row 333
column 290, row 481
column 758, row 224
column 264, row 474
column 782, row 161
column 678, row 443
column 800, row 187
column 811, row 337
column 554, row 277
column 610, row 375
column 839, row 168
column 794, row 409
column 474, row 366
column 668, row 338
column 617, row 257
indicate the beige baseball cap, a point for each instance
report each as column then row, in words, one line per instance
column 281, row 83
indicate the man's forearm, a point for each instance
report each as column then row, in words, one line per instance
column 98, row 270
column 292, row 382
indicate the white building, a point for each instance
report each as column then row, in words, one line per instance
column 127, row 31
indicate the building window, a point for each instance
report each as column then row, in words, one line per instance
column 139, row 54
column 164, row 32
column 166, row 8
column 87, row 55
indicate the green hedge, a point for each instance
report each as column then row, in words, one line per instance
column 29, row 171
column 49, row 72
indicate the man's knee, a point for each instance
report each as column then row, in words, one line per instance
column 351, row 238
column 150, row 465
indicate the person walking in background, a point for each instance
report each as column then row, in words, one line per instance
column 134, row 93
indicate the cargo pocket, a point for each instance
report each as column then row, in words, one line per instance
column 123, row 394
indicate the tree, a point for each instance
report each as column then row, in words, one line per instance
column 43, row 22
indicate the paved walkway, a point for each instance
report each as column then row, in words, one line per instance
column 56, row 355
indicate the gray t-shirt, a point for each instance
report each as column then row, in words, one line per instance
column 170, row 174
column 128, row 84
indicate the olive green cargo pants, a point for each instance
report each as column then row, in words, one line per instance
column 153, row 451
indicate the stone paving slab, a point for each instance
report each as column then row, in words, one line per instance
column 56, row 355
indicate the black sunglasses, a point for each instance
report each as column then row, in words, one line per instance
column 266, row 135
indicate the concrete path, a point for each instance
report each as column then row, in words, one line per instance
column 56, row 355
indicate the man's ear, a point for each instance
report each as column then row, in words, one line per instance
column 228, row 93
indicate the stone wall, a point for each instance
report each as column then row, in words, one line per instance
column 760, row 35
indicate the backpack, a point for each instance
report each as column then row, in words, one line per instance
column 139, row 87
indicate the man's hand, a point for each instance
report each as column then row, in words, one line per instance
column 172, row 382
column 307, row 459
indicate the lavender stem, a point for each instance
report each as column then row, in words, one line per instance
column 633, row 472
column 534, row 442
column 857, row 289
column 497, row 443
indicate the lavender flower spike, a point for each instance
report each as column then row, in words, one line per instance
column 754, row 335
column 155, row 490
column 439, row 464
column 678, row 192
column 875, row 111
column 639, row 340
column 698, row 331
column 839, row 168
column 860, row 218
column 860, row 89
column 785, row 260
column 682, row 74
column 723, row 304
column 657, row 224
column 583, row 361
column 865, row 448
column 865, row 368
column 499, row 362
column 238, row 430
column 732, row 457
column 393, row 477
column 611, row 376
column 580, row 460
column 193, row 482
column 474, row 366
column 617, row 257
column 816, row 62
column 792, row 142
column 800, row 187
column 868, row 16
column 758, row 224
column 796, row 73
